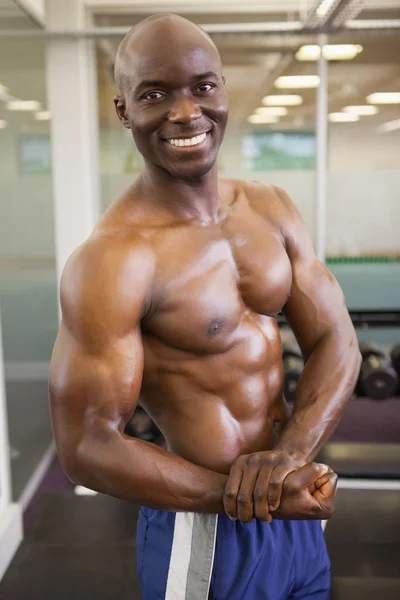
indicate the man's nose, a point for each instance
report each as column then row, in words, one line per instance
column 184, row 110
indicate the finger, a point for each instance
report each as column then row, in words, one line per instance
column 325, row 495
column 260, row 495
column 318, row 483
column 312, row 488
column 275, row 486
column 326, row 487
column 306, row 476
column 328, row 477
column 245, row 495
column 232, row 489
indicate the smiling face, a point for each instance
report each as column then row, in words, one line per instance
column 173, row 96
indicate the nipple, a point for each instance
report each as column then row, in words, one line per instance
column 214, row 327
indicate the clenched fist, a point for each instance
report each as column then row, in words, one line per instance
column 308, row 493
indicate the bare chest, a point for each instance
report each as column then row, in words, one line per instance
column 208, row 278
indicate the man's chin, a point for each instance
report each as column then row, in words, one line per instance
column 191, row 172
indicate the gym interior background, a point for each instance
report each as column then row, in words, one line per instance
column 329, row 135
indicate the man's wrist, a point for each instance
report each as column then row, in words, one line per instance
column 299, row 454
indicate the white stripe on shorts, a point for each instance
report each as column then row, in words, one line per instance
column 180, row 557
column 192, row 556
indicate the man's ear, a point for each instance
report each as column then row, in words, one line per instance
column 223, row 80
column 120, row 107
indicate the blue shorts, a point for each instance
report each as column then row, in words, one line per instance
column 191, row 556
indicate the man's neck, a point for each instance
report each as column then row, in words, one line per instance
column 193, row 200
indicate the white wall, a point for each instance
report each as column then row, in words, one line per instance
column 359, row 147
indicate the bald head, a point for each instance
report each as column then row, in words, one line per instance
column 171, row 87
column 166, row 29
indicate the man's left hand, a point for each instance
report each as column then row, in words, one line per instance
column 254, row 487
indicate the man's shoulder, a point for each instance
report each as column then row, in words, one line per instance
column 268, row 200
column 109, row 264
column 109, row 249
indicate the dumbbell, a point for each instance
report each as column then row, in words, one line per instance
column 293, row 365
column 395, row 358
column 377, row 379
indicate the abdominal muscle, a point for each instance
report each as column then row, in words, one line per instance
column 216, row 440
column 214, row 409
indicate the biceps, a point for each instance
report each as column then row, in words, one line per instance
column 316, row 305
column 93, row 394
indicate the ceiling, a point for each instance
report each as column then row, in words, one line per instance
column 123, row 12
column 12, row 17
column 251, row 63
column 8, row 9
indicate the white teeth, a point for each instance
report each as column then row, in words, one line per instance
column 188, row 141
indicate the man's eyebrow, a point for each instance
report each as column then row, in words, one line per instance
column 205, row 75
column 149, row 83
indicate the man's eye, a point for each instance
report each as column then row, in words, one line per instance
column 205, row 87
column 153, row 96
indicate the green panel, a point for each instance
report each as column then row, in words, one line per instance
column 371, row 287
column 277, row 150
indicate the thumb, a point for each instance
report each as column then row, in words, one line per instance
column 306, row 476
column 326, row 488
column 327, row 484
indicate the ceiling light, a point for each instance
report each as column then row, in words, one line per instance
column 298, row 121
column 283, row 100
column 325, row 7
column 262, row 119
column 24, row 105
column 384, row 98
column 3, row 124
column 3, row 89
column 366, row 24
column 361, row 110
column 389, row 126
column 297, row 81
column 342, row 117
column 277, row 111
column 43, row 115
column 330, row 52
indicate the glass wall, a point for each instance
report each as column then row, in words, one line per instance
column 363, row 234
column 28, row 288
column 271, row 131
column 120, row 161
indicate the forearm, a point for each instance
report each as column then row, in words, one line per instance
column 326, row 385
column 131, row 469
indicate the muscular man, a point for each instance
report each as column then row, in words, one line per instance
column 175, row 296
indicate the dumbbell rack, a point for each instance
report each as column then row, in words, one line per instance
column 364, row 318
column 363, row 460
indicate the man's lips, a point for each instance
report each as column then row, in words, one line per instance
column 185, row 142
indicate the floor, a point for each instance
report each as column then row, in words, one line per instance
column 29, row 428
column 83, row 547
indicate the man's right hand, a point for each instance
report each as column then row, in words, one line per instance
column 308, row 493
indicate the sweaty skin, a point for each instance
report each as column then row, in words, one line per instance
column 175, row 296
